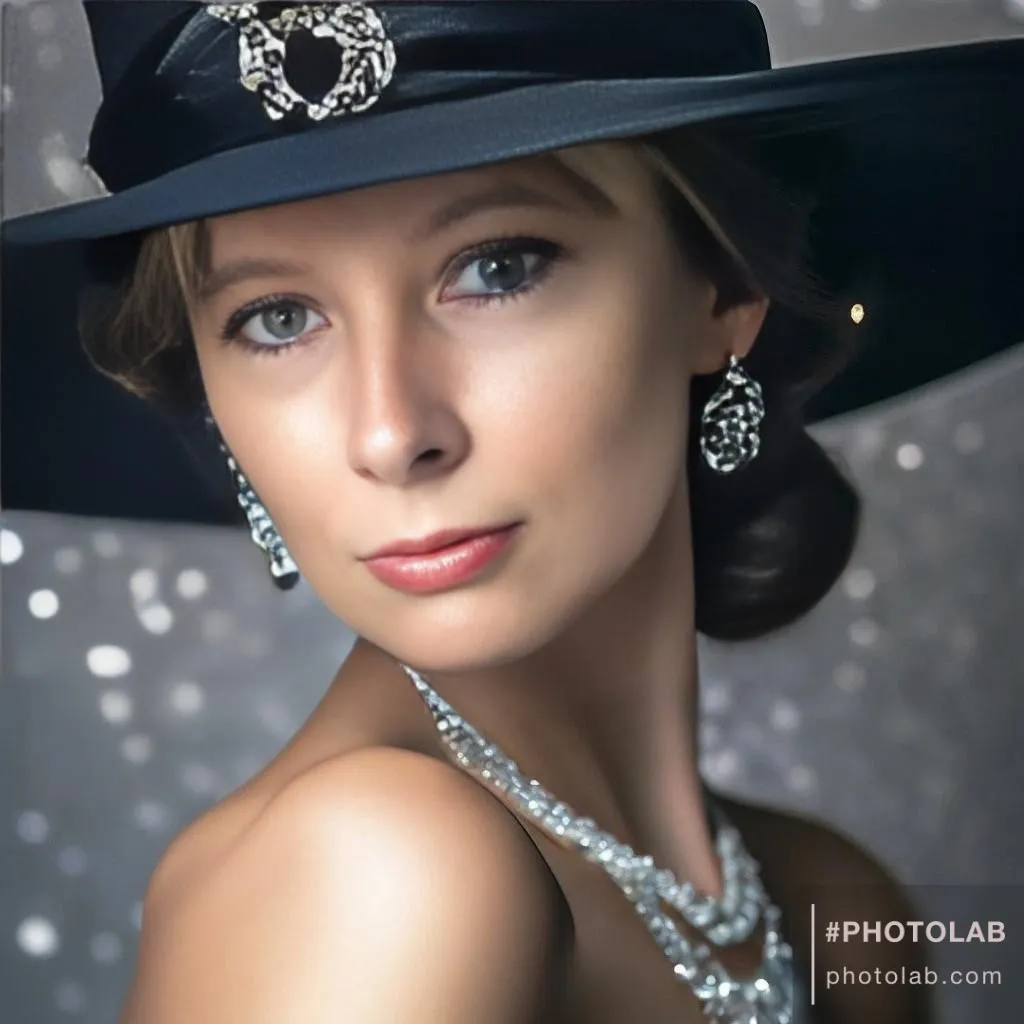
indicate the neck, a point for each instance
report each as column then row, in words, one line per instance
column 606, row 716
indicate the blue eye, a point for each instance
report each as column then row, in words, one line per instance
column 494, row 272
column 272, row 324
column 499, row 273
column 503, row 269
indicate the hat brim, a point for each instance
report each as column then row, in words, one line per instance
column 920, row 205
column 905, row 97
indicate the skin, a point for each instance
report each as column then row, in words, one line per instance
column 360, row 877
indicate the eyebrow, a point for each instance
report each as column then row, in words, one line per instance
column 237, row 271
column 505, row 195
column 515, row 194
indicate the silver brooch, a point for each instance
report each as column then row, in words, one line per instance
column 367, row 55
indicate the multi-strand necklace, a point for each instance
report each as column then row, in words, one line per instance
column 766, row 997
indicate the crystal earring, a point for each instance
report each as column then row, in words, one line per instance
column 283, row 570
column 729, row 436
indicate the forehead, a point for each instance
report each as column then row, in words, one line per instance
column 593, row 180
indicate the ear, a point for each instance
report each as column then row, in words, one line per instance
column 729, row 332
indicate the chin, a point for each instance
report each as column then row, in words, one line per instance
column 499, row 619
column 457, row 633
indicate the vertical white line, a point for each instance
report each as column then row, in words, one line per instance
column 814, row 937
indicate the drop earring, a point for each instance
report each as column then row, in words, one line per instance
column 283, row 570
column 729, row 427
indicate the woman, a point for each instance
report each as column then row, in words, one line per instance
column 502, row 311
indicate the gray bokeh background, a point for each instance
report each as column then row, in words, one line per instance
column 148, row 670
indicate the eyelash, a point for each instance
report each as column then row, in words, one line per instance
column 550, row 253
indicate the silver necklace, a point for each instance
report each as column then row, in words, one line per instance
column 766, row 997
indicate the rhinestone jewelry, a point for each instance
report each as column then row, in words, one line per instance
column 283, row 570
column 729, row 436
column 367, row 55
column 764, row 998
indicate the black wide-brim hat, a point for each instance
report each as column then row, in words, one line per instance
column 915, row 162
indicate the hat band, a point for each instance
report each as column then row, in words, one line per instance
column 187, row 96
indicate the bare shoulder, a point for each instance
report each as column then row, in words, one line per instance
column 805, row 861
column 382, row 885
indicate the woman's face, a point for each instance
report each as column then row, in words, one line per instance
column 510, row 345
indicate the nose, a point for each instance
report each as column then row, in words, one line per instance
column 403, row 424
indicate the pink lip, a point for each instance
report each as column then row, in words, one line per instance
column 440, row 561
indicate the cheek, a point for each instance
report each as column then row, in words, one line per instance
column 282, row 441
column 600, row 433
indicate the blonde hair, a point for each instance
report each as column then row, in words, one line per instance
column 127, row 335
column 653, row 160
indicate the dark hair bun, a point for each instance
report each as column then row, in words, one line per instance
column 772, row 538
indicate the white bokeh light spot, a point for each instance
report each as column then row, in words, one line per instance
column 785, row 716
column 801, row 779
column 187, row 698
column 156, row 618
column 108, row 661
column 116, row 707
column 144, row 584
column 909, row 457
column 69, row 997
column 716, row 698
column 191, row 584
column 864, row 633
column 72, row 861
column 11, row 548
column 968, row 438
column 64, row 171
column 137, row 748
column 43, row 604
column 151, row 815
column 850, row 677
column 859, row 584
column 33, row 827
column 724, row 764
column 106, row 544
column 36, row 936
